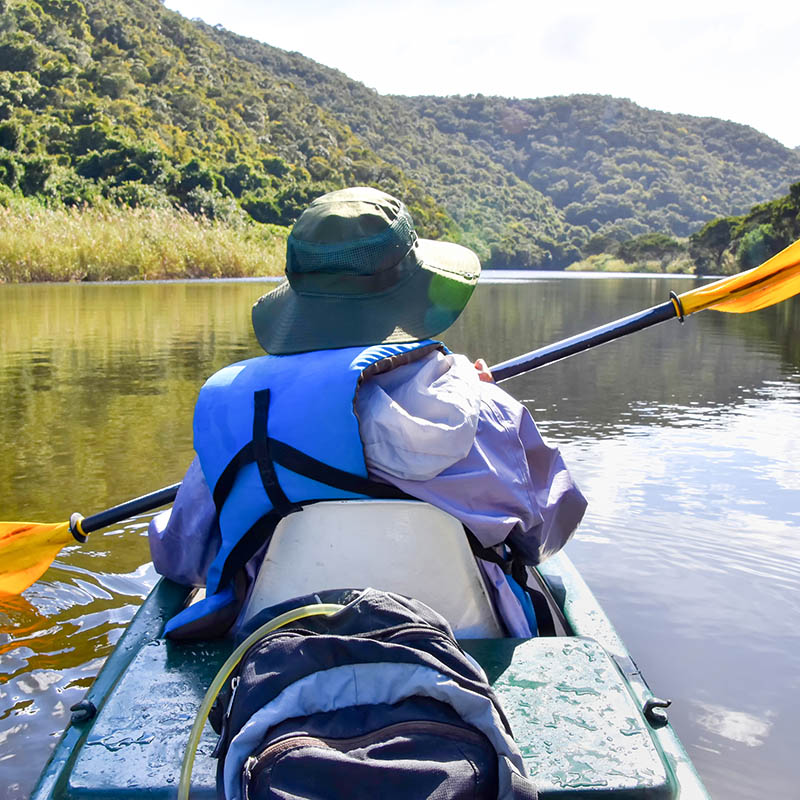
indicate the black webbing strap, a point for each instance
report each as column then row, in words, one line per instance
column 304, row 464
column 263, row 458
column 225, row 482
column 487, row 553
column 516, row 568
column 257, row 534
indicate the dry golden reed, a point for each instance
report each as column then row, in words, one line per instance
column 110, row 243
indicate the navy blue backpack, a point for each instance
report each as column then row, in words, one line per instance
column 375, row 700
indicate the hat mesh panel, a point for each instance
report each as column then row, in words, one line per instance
column 363, row 257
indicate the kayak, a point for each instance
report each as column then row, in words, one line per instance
column 582, row 714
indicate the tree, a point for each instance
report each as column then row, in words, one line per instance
column 708, row 245
column 756, row 246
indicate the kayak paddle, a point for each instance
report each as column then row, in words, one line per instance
column 775, row 280
column 28, row 548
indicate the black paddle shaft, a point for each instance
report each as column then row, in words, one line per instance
column 130, row 509
column 503, row 371
column 585, row 341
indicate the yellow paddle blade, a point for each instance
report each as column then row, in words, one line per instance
column 775, row 280
column 26, row 550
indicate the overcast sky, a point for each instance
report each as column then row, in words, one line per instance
column 722, row 58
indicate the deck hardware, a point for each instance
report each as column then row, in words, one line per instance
column 654, row 711
column 82, row 711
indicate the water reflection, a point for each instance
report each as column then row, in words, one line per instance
column 683, row 437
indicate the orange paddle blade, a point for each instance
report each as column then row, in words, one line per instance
column 26, row 550
column 775, row 280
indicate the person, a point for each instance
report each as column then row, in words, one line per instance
column 355, row 399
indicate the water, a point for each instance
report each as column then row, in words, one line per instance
column 684, row 439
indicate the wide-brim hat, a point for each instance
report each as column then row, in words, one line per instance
column 357, row 274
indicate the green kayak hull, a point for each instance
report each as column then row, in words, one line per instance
column 581, row 711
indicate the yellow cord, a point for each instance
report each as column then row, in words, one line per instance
column 223, row 675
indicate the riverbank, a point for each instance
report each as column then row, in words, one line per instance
column 608, row 262
column 110, row 243
column 106, row 242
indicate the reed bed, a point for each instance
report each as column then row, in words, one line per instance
column 606, row 262
column 111, row 243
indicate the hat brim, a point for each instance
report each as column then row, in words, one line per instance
column 422, row 305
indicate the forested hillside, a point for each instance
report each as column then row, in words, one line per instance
column 608, row 166
column 133, row 103
column 503, row 217
column 607, row 161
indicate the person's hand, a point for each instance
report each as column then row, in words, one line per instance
column 484, row 373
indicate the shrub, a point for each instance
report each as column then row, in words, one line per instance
column 262, row 207
column 9, row 171
column 756, row 246
column 135, row 194
column 19, row 52
column 66, row 187
column 37, row 171
column 10, row 135
column 649, row 246
column 211, row 204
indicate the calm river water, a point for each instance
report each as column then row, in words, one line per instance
column 684, row 438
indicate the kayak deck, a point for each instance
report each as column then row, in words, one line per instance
column 573, row 702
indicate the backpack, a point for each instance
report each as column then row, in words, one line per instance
column 374, row 700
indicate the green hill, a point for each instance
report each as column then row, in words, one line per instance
column 605, row 161
column 134, row 103
column 504, row 218
column 607, row 165
column 131, row 101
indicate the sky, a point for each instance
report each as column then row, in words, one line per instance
column 734, row 60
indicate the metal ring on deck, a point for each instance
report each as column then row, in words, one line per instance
column 676, row 301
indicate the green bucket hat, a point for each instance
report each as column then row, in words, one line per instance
column 356, row 274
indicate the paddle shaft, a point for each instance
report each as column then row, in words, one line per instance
column 503, row 371
column 130, row 509
column 584, row 341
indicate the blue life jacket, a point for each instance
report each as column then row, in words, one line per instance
column 274, row 433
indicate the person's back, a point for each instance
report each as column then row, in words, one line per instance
column 355, row 400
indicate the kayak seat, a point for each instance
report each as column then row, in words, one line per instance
column 402, row 546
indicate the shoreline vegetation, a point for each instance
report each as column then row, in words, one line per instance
column 107, row 242
column 608, row 262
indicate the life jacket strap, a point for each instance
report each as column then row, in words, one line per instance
column 266, row 452
column 514, row 566
column 225, row 481
column 257, row 534
column 308, row 466
column 263, row 457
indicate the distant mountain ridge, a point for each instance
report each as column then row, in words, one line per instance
column 604, row 164
column 134, row 102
